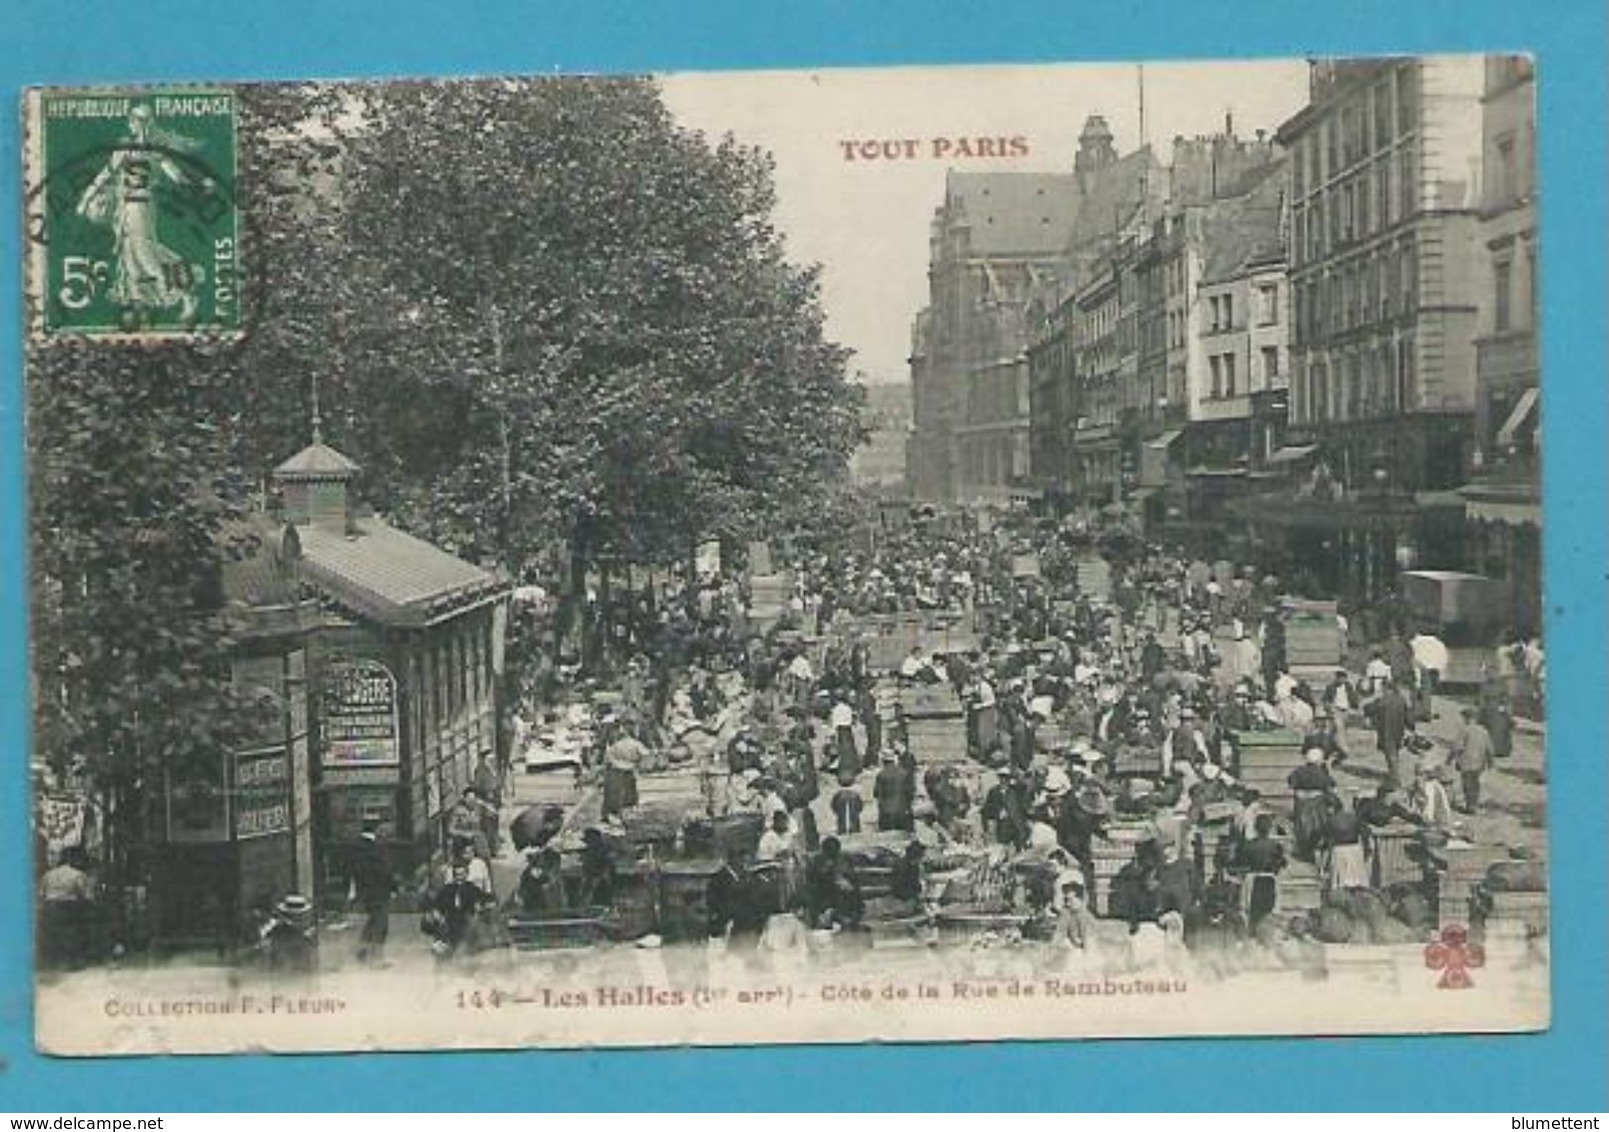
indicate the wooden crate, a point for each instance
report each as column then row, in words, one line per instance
column 938, row 740
column 556, row 933
column 1392, row 861
column 1517, row 913
column 1301, row 888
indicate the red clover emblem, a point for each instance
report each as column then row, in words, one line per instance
column 1454, row 956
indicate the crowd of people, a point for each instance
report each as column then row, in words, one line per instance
column 1086, row 701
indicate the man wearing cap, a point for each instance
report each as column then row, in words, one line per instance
column 1324, row 735
column 289, row 940
column 1472, row 755
column 371, row 887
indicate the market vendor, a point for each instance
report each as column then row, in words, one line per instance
column 1260, row 861
column 597, row 870
column 1345, row 836
column 832, row 894
column 905, row 881
column 1314, row 790
column 541, row 885
column 621, row 761
column 1324, row 735
column 468, row 820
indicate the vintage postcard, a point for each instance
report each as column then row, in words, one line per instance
column 898, row 555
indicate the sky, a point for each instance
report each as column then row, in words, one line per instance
column 866, row 221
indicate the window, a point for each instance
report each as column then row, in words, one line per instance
column 1409, row 281
column 1406, row 189
column 1270, row 366
column 1385, row 207
column 1530, row 280
column 1268, row 295
column 1407, row 99
column 1503, row 280
column 1405, row 389
column 1229, row 312
column 1504, row 185
column 1365, row 221
column 1215, row 364
column 1229, row 375
column 1382, row 115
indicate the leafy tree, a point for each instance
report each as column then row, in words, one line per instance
column 591, row 322
column 132, row 519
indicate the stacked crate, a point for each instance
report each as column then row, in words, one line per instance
column 1466, row 867
column 1266, row 761
column 1392, row 861
column 1301, row 888
column 1110, row 853
column 1312, row 637
column 1094, row 577
column 683, row 911
column 1517, row 914
column 935, row 722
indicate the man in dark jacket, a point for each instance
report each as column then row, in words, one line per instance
column 1391, row 717
column 372, row 886
column 895, row 792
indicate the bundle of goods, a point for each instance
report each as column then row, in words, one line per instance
column 1369, row 918
column 1512, row 898
column 712, row 838
column 985, row 885
column 655, row 824
column 1266, row 761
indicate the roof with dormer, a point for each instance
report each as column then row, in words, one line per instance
column 317, row 461
column 388, row 575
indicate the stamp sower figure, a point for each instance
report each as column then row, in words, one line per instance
column 148, row 275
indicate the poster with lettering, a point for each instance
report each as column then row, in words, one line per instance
column 1084, row 426
column 359, row 719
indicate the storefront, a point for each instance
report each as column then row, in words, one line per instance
column 404, row 670
column 234, row 835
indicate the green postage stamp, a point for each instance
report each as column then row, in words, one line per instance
column 131, row 215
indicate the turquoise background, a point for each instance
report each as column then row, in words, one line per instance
column 108, row 41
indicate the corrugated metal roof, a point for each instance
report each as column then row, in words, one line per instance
column 390, row 575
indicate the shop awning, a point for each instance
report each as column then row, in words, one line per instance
column 1165, row 441
column 1291, row 453
column 1523, row 409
